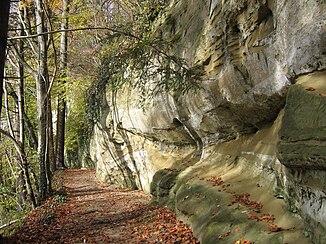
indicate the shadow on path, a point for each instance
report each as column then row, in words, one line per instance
column 96, row 212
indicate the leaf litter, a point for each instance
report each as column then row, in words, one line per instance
column 86, row 210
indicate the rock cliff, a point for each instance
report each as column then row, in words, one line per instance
column 247, row 152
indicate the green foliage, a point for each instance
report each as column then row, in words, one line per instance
column 12, row 206
column 136, row 59
column 9, row 204
column 46, row 215
column 57, row 199
column 146, row 68
column 76, row 129
column 152, row 71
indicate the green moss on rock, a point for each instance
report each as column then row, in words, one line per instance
column 303, row 132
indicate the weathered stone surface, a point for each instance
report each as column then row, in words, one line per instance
column 252, row 53
column 250, row 50
column 246, row 165
column 303, row 132
column 306, row 194
column 127, row 159
column 162, row 183
column 302, row 148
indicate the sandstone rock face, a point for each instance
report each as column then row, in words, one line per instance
column 303, row 134
column 302, row 149
column 253, row 53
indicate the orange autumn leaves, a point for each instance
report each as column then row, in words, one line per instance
column 161, row 226
column 254, row 208
column 95, row 212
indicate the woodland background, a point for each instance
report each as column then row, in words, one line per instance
column 56, row 58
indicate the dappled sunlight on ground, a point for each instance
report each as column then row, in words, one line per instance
column 95, row 212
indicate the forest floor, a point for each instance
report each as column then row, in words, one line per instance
column 86, row 210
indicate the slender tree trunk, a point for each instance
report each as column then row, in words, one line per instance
column 23, row 180
column 32, row 139
column 41, row 99
column 60, row 133
column 4, row 16
column 21, row 152
column 21, row 128
column 20, row 186
column 28, row 127
column 61, row 120
column 1, row 176
column 50, row 146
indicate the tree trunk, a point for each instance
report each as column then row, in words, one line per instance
column 41, row 99
column 60, row 133
column 21, row 152
column 21, row 189
column 28, row 127
column 61, row 120
column 23, row 182
column 50, row 162
column 4, row 16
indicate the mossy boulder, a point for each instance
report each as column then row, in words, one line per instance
column 303, row 132
column 163, row 181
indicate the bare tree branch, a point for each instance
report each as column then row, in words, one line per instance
column 7, row 134
column 4, row 16
column 26, row 65
column 92, row 28
column 25, row 22
column 75, row 29
column 10, row 223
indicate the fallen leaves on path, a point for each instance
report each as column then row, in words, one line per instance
column 164, row 228
column 95, row 212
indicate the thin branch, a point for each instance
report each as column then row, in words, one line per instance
column 54, row 50
column 96, row 28
column 27, row 27
column 26, row 65
column 7, row 134
column 76, row 29
column 11, row 131
column 10, row 223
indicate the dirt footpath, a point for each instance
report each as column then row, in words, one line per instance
column 95, row 212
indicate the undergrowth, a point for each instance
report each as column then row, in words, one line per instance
column 45, row 213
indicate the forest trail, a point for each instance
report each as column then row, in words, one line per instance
column 95, row 212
